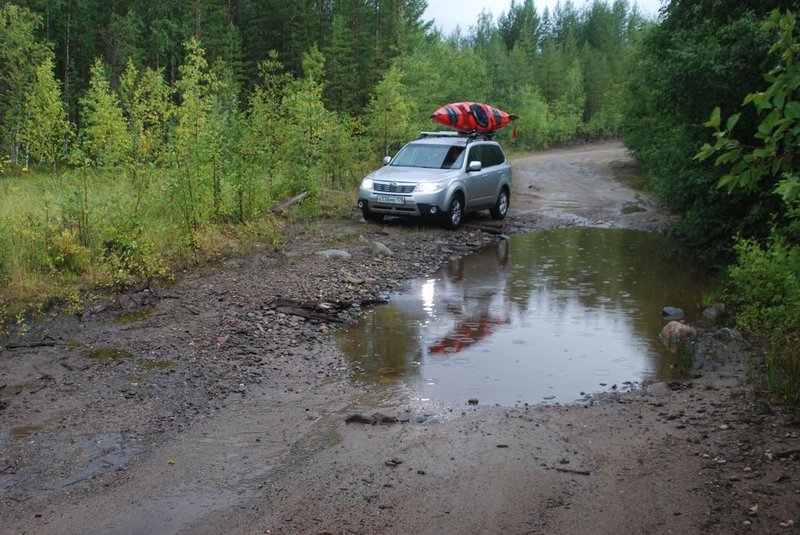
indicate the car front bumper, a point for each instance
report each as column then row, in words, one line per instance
column 414, row 204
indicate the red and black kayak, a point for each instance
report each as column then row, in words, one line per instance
column 472, row 117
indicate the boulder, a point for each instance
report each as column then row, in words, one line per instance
column 333, row 253
column 672, row 313
column 727, row 335
column 675, row 330
column 380, row 249
column 714, row 311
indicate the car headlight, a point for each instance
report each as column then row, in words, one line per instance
column 367, row 183
column 429, row 187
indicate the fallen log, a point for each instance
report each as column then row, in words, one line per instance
column 23, row 345
column 571, row 471
column 279, row 209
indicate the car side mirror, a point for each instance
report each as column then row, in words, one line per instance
column 387, row 160
column 474, row 166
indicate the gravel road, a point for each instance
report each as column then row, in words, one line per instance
column 212, row 406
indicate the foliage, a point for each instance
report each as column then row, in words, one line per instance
column 388, row 116
column 45, row 125
column 104, row 136
column 21, row 54
column 132, row 259
column 776, row 154
column 685, row 67
column 766, row 291
column 193, row 141
column 65, row 252
column 766, row 279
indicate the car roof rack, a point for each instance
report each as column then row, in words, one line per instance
column 469, row 136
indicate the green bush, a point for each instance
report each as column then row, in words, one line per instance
column 766, row 294
column 132, row 259
column 65, row 252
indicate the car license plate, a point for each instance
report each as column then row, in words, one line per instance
column 389, row 199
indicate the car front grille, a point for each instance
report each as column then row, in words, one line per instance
column 393, row 187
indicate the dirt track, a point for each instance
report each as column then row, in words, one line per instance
column 227, row 416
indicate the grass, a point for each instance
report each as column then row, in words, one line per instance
column 94, row 231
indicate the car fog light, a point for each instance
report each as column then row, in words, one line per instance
column 434, row 209
column 360, row 203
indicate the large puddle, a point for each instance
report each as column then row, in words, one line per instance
column 541, row 317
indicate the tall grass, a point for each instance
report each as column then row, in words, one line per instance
column 94, row 229
column 765, row 284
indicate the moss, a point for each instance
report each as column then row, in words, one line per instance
column 107, row 354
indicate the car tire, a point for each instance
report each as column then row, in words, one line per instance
column 371, row 216
column 501, row 206
column 455, row 213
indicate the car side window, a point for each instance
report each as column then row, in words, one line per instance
column 487, row 156
column 498, row 155
column 475, row 154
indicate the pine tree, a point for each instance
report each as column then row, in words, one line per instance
column 342, row 88
column 388, row 116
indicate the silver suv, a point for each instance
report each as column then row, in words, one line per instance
column 440, row 175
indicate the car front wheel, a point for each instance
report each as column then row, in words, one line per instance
column 501, row 206
column 454, row 214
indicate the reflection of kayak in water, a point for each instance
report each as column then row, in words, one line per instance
column 465, row 334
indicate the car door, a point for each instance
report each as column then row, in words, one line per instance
column 491, row 158
column 475, row 180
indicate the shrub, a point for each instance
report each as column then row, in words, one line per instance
column 132, row 259
column 766, row 294
column 65, row 252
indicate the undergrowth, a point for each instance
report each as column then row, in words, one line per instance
column 91, row 232
column 765, row 291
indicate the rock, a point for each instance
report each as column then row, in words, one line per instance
column 726, row 334
column 333, row 253
column 380, row 249
column 672, row 313
column 379, row 418
column 714, row 311
column 677, row 330
column 352, row 279
column 376, row 418
column 359, row 419
column 661, row 388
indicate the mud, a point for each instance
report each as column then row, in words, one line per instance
column 221, row 414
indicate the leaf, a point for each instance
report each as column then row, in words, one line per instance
column 714, row 121
column 779, row 99
column 792, row 110
column 732, row 120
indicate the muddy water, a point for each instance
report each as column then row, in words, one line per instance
column 541, row 317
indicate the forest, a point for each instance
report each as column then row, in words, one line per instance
column 139, row 137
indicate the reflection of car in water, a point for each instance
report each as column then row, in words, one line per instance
column 465, row 334
column 476, row 281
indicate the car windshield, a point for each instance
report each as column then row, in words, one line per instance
column 430, row 156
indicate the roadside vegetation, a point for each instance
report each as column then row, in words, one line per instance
column 714, row 117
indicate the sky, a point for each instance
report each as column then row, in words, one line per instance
column 447, row 14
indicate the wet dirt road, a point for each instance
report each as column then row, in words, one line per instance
column 273, row 453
